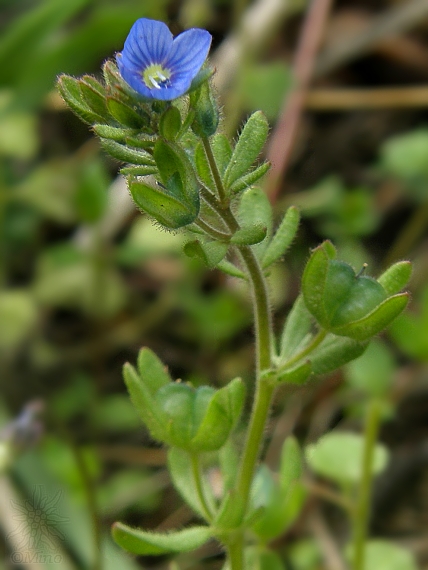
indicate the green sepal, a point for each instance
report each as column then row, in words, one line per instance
column 210, row 253
column 207, row 116
column 230, row 269
column 297, row 327
column 69, row 89
column 249, row 179
column 313, row 281
column 170, row 123
column 152, row 370
column 127, row 154
column 142, row 170
column 125, row 114
column 203, row 75
column 221, row 416
column 182, row 406
column 282, row 238
column 144, row 402
column 113, row 133
column 297, row 374
column 396, row 277
column 250, row 144
column 181, row 472
column 93, row 94
column 249, row 234
column 376, row 321
column 161, row 204
column 335, row 351
column 153, row 543
column 111, row 74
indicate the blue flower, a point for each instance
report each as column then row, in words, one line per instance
column 157, row 65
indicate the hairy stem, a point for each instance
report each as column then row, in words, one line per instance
column 215, row 172
column 264, row 344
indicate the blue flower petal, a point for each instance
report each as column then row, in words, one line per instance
column 149, row 40
column 189, row 51
column 151, row 43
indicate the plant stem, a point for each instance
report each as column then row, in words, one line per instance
column 235, row 551
column 361, row 518
column 199, row 488
column 264, row 344
column 215, row 172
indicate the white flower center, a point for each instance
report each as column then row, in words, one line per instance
column 156, row 77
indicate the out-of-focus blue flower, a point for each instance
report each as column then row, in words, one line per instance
column 159, row 66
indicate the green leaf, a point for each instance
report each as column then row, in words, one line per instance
column 297, row 374
column 396, row 277
column 210, row 253
column 160, row 204
column 180, row 469
column 125, row 114
column 296, row 329
column 114, row 133
column 250, row 144
column 291, row 464
column 339, row 457
column 385, row 555
column 282, row 238
column 222, row 151
column 220, row 417
column 334, row 352
column 249, row 234
column 126, row 154
column 152, row 543
column 142, row 170
column 170, row 123
column 249, row 179
column 94, row 97
column 176, row 172
column 203, row 168
column 376, row 321
column 152, row 370
column 70, row 91
column 281, row 504
column 145, row 403
column 255, row 209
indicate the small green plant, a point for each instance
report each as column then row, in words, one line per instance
column 156, row 112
